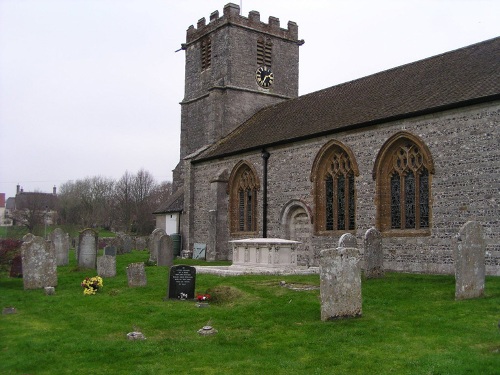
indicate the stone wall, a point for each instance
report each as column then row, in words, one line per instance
column 464, row 146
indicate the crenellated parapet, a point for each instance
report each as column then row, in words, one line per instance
column 231, row 15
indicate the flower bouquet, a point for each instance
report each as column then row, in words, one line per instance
column 91, row 285
column 202, row 300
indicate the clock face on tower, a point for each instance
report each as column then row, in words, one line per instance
column 264, row 76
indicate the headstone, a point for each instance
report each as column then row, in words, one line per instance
column 110, row 250
column 136, row 275
column 16, row 268
column 199, row 250
column 154, row 244
column 106, row 266
column 374, row 255
column 166, row 251
column 39, row 264
column 470, row 268
column 118, row 244
column 60, row 241
column 348, row 240
column 140, row 243
column 28, row 237
column 182, row 282
column 127, row 243
column 87, row 249
column 340, row 282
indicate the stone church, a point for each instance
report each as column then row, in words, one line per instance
column 412, row 151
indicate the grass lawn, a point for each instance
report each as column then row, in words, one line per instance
column 411, row 324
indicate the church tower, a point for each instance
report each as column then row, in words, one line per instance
column 234, row 67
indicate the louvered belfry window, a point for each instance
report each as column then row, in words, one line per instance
column 264, row 52
column 206, row 54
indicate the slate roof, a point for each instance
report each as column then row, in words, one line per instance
column 174, row 204
column 461, row 77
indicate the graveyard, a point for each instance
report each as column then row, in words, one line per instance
column 261, row 324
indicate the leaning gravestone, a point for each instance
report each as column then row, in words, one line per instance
column 87, row 249
column 39, row 263
column 60, row 241
column 154, row 244
column 340, row 280
column 166, row 251
column 136, row 275
column 470, row 268
column 106, row 266
column 374, row 255
column 141, row 243
column 182, row 282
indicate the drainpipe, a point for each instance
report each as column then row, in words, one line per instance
column 265, row 157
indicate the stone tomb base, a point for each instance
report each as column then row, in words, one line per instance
column 261, row 256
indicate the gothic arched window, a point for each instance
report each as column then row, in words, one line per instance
column 243, row 187
column 333, row 174
column 403, row 177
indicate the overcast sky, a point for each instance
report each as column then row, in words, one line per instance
column 92, row 87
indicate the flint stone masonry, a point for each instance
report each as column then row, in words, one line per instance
column 461, row 187
column 469, row 261
column 39, row 263
column 154, row 244
column 374, row 255
column 340, row 282
column 166, row 251
column 136, row 275
column 106, row 266
column 87, row 249
column 60, row 241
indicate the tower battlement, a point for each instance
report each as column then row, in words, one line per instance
column 231, row 15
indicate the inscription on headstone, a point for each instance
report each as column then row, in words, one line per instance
column 87, row 249
column 60, row 241
column 470, row 268
column 166, row 251
column 340, row 282
column 106, row 266
column 39, row 263
column 182, row 282
column 136, row 275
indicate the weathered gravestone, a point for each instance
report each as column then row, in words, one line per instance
column 127, row 243
column 154, row 244
column 182, row 282
column 60, row 241
column 141, row 243
column 87, row 249
column 110, row 250
column 136, row 274
column 117, row 243
column 340, row 280
column 166, row 251
column 39, row 263
column 106, row 266
column 470, row 268
column 374, row 255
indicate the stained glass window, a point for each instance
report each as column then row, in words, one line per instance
column 339, row 193
column 409, row 183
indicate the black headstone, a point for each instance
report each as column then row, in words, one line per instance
column 110, row 250
column 16, row 269
column 182, row 282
